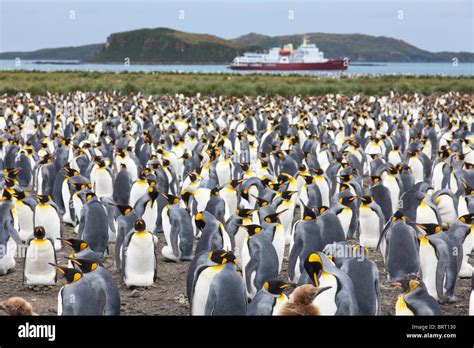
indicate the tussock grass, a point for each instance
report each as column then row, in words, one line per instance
column 36, row 82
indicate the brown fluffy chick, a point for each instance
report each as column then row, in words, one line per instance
column 301, row 301
column 16, row 306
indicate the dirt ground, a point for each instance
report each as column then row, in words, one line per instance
column 167, row 295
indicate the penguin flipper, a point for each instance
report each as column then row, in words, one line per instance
column 250, row 268
column 293, row 257
column 211, row 302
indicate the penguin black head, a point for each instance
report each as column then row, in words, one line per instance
column 170, row 198
column 70, row 172
column 43, row 198
column 468, row 190
column 70, row 274
column 430, row 228
column 244, row 213
column 19, row 194
column 399, row 216
column 313, row 266
column 6, row 196
column 215, row 191
column 346, row 178
column 85, row 265
column 308, row 213
column 286, row 195
column 12, row 172
column 252, row 229
column 276, row 286
column 124, row 209
column 366, row 200
column 409, row 283
column 467, row 219
column 152, row 192
column 322, row 209
column 273, row 218
column 199, row 220
column 347, row 200
column 235, row 182
column 139, row 225
column 318, row 171
column 76, row 244
column 265, row 181
column 260, row 201
column 39, row 232
column 393, row 170
column 375, row 179
column 221, row 256
column 89, row 196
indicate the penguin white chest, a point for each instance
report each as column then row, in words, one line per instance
column 279, row 303
column 140, row 260
column 425, row 215
column 438, row 176
column 326, row 301
column 417, row 168
column 46, row 216
column 201, row 289
column 324, row 189
column 428, row 264
column 223, row 172
column 345, row 217
column 369, row 227
column 446, row 210
column 25, row 219
column 37, row 269
column 390, row 182
column 468, row 243
column 103, row 183
column 150, row 214
column 139, row 189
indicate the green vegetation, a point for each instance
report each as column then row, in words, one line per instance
column 36, row 82
column 64, row 53
column 163, row 45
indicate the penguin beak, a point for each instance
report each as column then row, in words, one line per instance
column 65, row 241
column 58, row 268
column 398, row 284
column 281, row 212
column 321, row 290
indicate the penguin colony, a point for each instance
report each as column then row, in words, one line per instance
column 234, row 187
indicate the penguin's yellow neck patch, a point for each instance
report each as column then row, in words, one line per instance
column 141, row 182
column 141, row 234
column 38, row 241
column 401, row 307
column 282, row 298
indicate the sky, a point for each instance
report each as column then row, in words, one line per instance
column 433, row 25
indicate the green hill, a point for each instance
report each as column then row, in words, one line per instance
column 163, row 45
column 64, row 53
column 358, row 47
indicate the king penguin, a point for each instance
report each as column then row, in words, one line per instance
column 79, row 296
column 101, row 278
column 371, row 221
column 340, row 299
column 415, row 299
column 138, row 257
column 365, row 278
column 39, row 254
column 47, row 216
column 270, row 298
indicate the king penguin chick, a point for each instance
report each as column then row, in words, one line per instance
column 301, row 301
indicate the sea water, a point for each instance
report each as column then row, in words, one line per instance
column 357, row 69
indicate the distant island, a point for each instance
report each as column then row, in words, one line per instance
column 168, row 46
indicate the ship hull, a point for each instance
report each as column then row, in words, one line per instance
column 336, row 64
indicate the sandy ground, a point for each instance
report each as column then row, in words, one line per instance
column 167, row 295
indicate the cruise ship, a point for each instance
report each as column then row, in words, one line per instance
column 306, row 57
